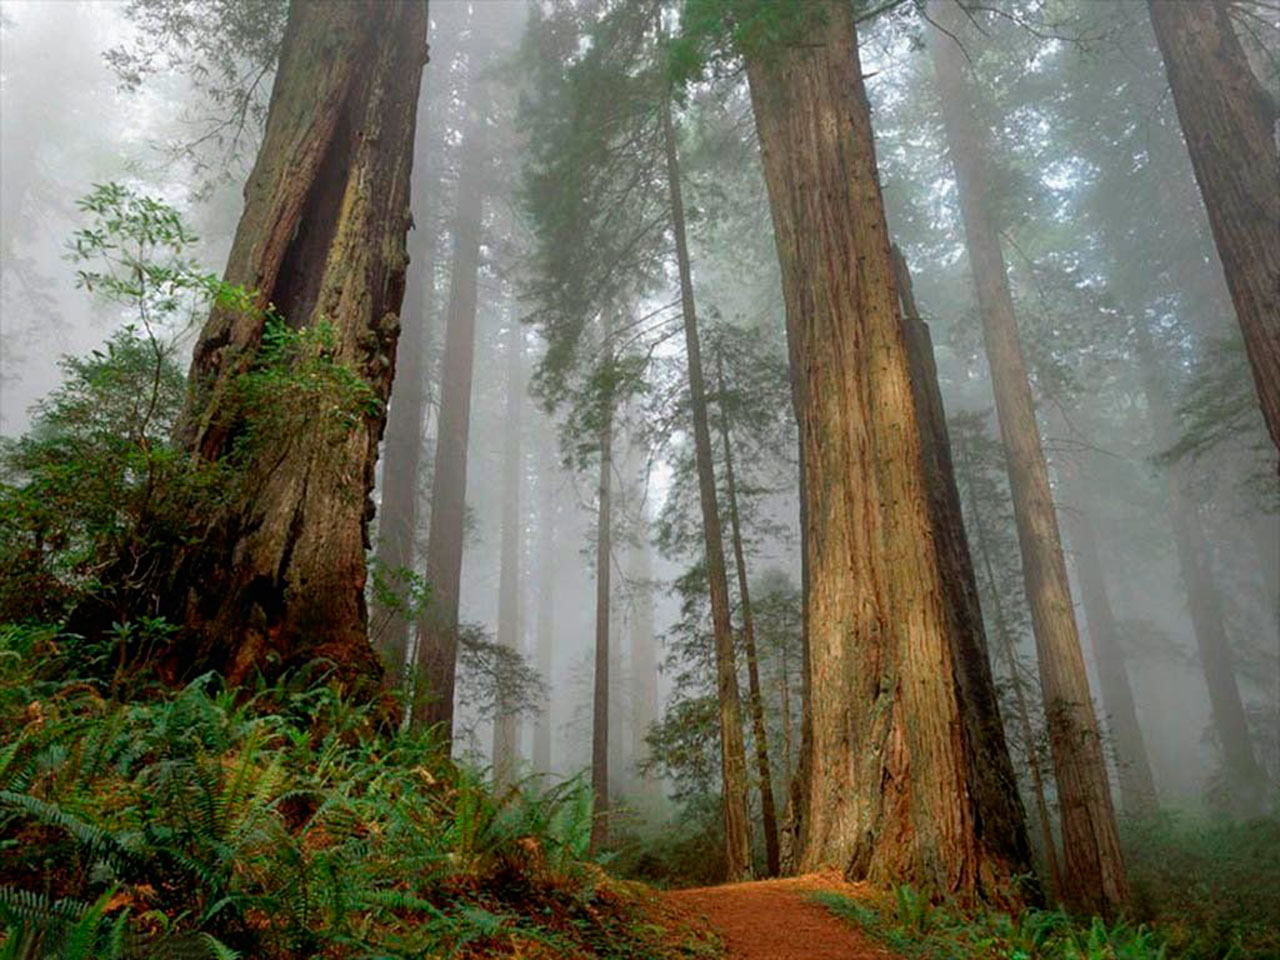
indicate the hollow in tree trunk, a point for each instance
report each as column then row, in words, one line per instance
column 279, row 578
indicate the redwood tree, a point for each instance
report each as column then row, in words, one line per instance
column 1228, row 119
column 280, row 575
column 1094, row 872
column 890, row 793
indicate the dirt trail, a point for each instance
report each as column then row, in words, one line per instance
column 775, row 920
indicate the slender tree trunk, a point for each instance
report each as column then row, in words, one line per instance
column 644, row 658
column 759, row 732
column 890, row 794
column 1245, row 777
column 733, row 757
column 1005, row 636
column 279, row 579
column 546, row 604
column 1137, row 785
column 1228, row 119
column 784, row 695
column 1094, row 865
column 506, row 730
column 438, row 624
column 604, row 558
column 402, row 448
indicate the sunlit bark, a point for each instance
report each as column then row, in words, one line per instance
column 1093, row 868
column 890, row 789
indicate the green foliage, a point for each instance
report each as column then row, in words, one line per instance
column 1203, row 890
column 275, row 823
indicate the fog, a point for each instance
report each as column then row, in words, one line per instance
column 1157, row 452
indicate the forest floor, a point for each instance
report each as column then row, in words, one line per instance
column 777, row 920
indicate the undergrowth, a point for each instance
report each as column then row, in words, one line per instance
column 210, row 823
column 1203, row 890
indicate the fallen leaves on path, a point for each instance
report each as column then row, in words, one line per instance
column 776, row 920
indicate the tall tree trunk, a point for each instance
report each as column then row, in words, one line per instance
column 604, row 559
column 1228, row 119
column 438, row 624
column 545, row 628
column 506, row 732
column 1246, row 779
column 1004, row 634
column 1094, row 865
column 991, row 769
column 1137, row 785
column 644, row 658
column 759, row 732
column 406, row 425
column 733, row 757
column 890, row 794
column 280, row 578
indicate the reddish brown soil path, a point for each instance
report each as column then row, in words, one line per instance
column 776, row 920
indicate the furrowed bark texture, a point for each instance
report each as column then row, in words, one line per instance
column 990, row 769
column 438, row 624
column 1094, row 870
column 506, row 730
column 733, row 756
column 1228, row 120
column 280, row 579
column 759, row 732
column 888, row 795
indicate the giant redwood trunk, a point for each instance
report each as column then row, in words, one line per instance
column 280, row 578
column 506, row 732
column 733, row 757
column 438, row 624
column 890, row 795
column 990, row 769
column 1094, row 871
column 1228, row 119
column 759, row 732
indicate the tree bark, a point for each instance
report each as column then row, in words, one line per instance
column 1094, row 869
column 733, row 758
column 403, row 446
column 279, row 579
column 890, row 793
column 1005, row 635
column 759, row 732
column 506, row 731
column 1245, row 776
column 1228, row 120
column 990, row 768
column 438, row 624
column 604, row 549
